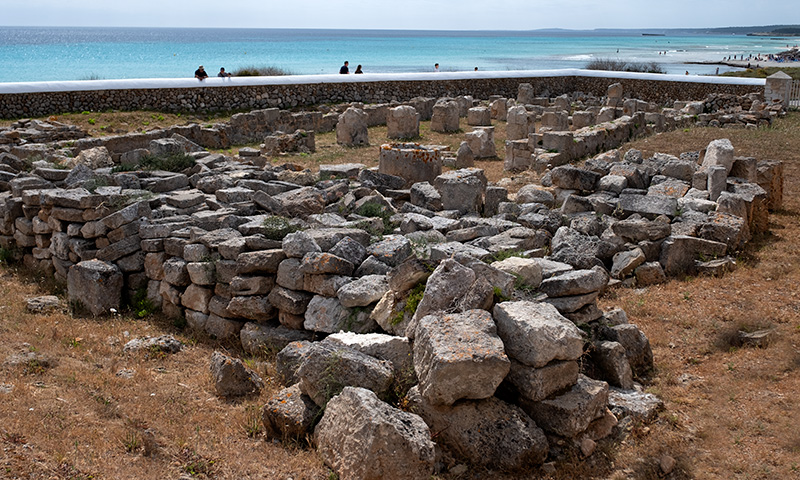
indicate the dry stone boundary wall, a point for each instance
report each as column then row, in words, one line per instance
column 648, row 87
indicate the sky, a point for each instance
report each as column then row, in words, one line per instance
column 403, row 14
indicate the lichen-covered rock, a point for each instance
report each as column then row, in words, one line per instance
column 458, row 356
column 232, row 378
column 487, row 432
column 535, row 334
column 289, row 415
column 361, row 437
column 95, row 285
column 327, row 368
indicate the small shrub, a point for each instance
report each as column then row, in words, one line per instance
column 376, row 210
column 141, row 305
column 412, row 302
column 504, row 254
column 253, row 71
column 277, row 227
column 609, row 64
column 252, row 422
column 9, row 255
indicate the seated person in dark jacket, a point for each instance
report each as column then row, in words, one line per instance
column 344, row 70
column 200, row 73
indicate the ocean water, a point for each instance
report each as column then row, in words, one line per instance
column 80, row 53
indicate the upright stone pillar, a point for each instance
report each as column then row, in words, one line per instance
column 778, row 89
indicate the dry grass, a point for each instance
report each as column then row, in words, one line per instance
column 730, row 412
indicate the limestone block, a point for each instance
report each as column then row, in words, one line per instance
column 351, row 129
column 479, row 116
column 197, row 298
column 402, row 122
column 535, row 334
column 445, row 117
column 410, row 161
column 289, row 415
column 612, row 363
column 360, row 436
column 636, row 344
column 489, row 433
column 258, row 339
column 527, row 270
column 96, row 285
column 395, row 350
column 458, row 356
column 327, row 368
column 363, row 291
column 577, row 282
column 461, row 190
column 518, row 155
column 520, row 123
column 571, row 413
column 324, row 314
column 535, row 384
column 232, row 378
column 719, row 153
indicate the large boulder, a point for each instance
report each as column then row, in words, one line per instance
column 95, row 285
column 402, row 122
column 327, row 368
column 462, row 190
column 570, row 414
column 458, row 356
column 576, row 282
column 719, row 153
column 445, row 117
column 289, row 415
column 447, row 285
column 361, row 437
column 488, row 432
column 535, row 334
column 351, row 130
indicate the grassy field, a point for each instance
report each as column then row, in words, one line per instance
column 730, row 412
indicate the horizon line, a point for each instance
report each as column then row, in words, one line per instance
column 549, row 29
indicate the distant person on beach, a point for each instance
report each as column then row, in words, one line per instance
column 200, row 73
column 223, row 73
column 436, row 68
column 717, row 71
column 476, row 69
column 358, row 69
column 344, row 70
column 687, row 72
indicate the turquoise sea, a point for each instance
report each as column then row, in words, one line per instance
column 80, row 53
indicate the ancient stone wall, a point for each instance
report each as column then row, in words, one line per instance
column 211, row 98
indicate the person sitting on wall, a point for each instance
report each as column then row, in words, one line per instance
column 200, row 73
column 344, row 70
column 223, row 73
column 358, row 69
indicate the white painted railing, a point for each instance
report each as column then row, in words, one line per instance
column 211, row 82
column 794, row 95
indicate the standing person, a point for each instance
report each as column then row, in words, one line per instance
column 223, row 73
column 344, row 70
column 200, row 73
column 358, row 69
column 436, row 67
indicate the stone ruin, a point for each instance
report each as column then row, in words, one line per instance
column 476, row 305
